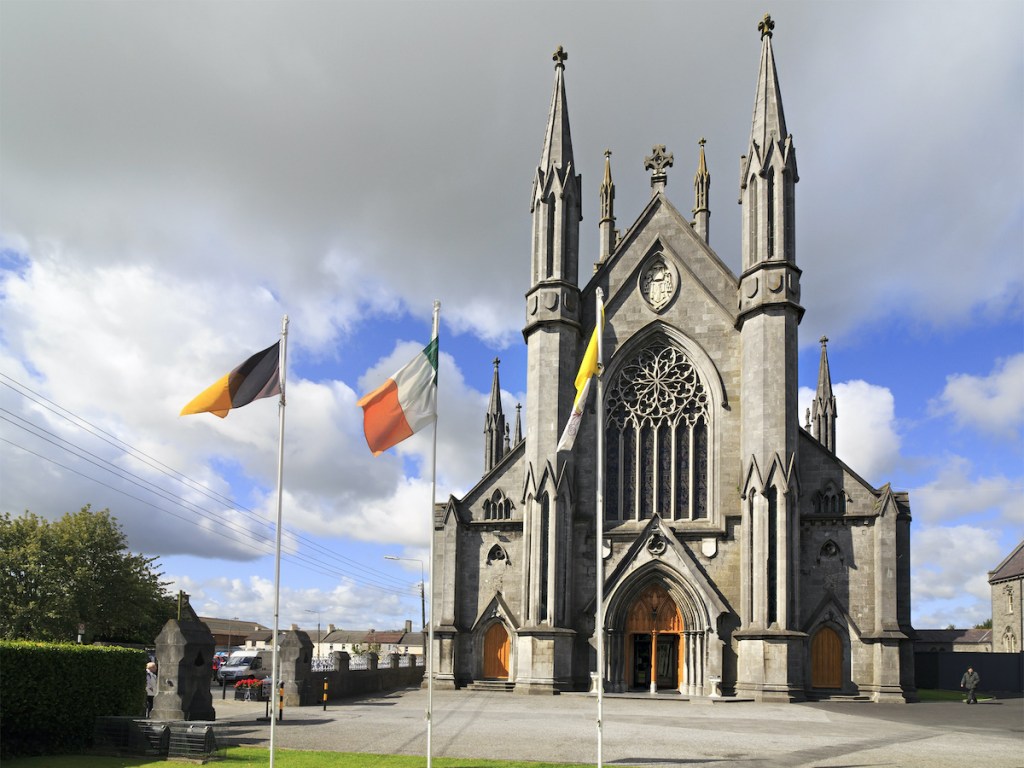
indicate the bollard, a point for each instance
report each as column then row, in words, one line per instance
column 280, row 703
column 325, row 694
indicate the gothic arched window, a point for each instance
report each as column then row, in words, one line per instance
column 498, row 507
column 657, row 438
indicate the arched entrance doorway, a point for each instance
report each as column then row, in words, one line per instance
column 496, row 652
column 654, row 628
column 826, row 659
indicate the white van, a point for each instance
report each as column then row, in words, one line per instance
column 244, row 664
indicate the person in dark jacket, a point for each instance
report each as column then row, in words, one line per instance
column 970, row 681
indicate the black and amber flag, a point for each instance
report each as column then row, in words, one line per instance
column 257, row 377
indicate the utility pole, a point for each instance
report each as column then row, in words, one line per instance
column 423, row 599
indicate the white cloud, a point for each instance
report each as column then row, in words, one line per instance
column 993, row 404
column 955, row 494
column 867, row 439
column 951, row 563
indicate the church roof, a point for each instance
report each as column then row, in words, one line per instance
column 1011, row 568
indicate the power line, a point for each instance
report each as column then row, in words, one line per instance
column 376, row 580
column 132, row 452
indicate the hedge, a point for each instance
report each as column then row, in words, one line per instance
column 51, row 694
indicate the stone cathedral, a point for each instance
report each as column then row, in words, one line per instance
column 740, row 556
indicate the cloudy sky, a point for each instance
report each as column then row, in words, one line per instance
column 175, row 177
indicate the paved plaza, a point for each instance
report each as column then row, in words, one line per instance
column 651, row 731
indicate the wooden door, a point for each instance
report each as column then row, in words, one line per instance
column 654, row 627
column 496, row 651
column 826, row 659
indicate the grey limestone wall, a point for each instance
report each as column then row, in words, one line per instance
column 1007, row 630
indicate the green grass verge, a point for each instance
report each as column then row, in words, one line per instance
column 252, row 757
column 936, row 694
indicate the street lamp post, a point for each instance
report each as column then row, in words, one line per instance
column 423, row 601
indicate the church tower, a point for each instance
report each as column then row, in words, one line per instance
column 552, row 335
column 770, row 648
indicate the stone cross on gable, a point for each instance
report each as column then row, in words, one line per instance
column 657, row 162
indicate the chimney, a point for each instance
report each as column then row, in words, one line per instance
column 408, row 626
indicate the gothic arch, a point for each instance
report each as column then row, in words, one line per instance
column 694, row 632
column 662, row 397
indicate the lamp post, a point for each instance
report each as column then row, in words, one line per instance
column 317, row 612
column 423, row 601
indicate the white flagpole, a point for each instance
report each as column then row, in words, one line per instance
column 274, row 667
column 428, row 658
column 599, row 526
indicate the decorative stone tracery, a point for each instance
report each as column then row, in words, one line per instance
column 657, row 438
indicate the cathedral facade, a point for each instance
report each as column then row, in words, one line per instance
column 739, row 556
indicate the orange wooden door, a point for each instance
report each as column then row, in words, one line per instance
column 496, row 650
column 653, row 613
column 826, row 659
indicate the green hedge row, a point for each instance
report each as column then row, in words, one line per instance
column 51, row 694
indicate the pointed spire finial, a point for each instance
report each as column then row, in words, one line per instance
column 559, row 57
column 765, row 26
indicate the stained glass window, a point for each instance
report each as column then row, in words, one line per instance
column 657, row 437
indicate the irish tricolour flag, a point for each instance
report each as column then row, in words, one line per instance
column 404, row 404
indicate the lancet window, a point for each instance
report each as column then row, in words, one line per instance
column 498, row 507
column 657, row 434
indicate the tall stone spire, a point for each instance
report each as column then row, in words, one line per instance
column 823, row 410
column 768, row 172
column 495, row 429
column 769, row 123
column 555, row 203
column 557, row 150
column 702, row 196
column 606, row 227
column 517, row 436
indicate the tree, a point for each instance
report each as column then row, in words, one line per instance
column 986, row 624
column 77, row 570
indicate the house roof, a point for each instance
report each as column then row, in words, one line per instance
column 1012, row 566
column 385, row 638
column 954, row 635
column 239, row 627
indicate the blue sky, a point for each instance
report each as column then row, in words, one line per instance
column 174, row 178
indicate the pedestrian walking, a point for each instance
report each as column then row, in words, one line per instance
column 970, row 681
column 150, row 687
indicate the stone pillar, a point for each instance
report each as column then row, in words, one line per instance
column 295, row 656
column 184, row 658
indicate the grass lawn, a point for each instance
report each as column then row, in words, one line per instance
column 936, row 694
column 251, row 757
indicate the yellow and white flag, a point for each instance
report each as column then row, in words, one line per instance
column 591, row 365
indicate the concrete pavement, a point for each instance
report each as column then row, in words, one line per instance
column 653, row 732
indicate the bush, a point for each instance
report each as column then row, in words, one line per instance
column 52, row 693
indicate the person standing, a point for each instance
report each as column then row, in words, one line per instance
column 970, row 681
column 150, row 687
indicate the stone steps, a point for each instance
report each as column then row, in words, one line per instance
column 492, row 686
